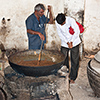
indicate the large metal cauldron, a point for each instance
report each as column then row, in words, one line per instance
column 94, row 76
column 27, row 55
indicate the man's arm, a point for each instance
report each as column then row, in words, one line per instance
column 51, row 17
column 76, row 30
column 36, row 33
column 70, row 44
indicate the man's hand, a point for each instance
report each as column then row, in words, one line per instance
column 70, row 44
column 41, row 36
column 49, row 8
column 50, row 14
column 36, row 33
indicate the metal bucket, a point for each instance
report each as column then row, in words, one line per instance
column 50, row 55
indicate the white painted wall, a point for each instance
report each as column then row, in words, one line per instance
column 13, row 31
column 73, row 7
column 92, row 24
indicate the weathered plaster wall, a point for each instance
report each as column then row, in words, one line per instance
column 72, row 8
column 92, row 24
column 75, row 9
column 12, row 32
column 12, row 22
column 13, row 14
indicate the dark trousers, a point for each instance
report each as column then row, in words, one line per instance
column 74, row 57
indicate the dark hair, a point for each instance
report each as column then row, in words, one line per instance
column 60, row 18
column 39, row 6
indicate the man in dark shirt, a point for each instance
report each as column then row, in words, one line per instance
column 36, row 28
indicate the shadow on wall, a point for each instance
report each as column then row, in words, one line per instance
column 4, row 28
column 2, row 50
column 79, row 14
column 7, row 52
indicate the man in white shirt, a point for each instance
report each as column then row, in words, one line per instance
column 69, row 42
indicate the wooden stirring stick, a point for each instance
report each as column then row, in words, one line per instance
column 39, row 58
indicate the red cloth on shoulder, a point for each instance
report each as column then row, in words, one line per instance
column 71, row 30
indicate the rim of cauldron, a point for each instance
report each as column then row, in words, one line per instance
column 37, row 66
column 31, row 66
column 94, row 71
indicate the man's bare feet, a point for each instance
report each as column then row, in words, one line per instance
column 72, row 81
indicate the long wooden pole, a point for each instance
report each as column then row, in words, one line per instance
column 39, row 58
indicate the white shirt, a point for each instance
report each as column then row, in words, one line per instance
column 65, row 36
